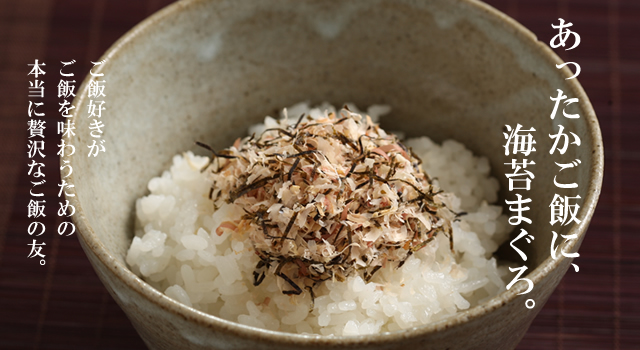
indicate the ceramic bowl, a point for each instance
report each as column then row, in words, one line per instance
column 205, row 70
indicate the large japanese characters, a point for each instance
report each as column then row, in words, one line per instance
column 519, row 145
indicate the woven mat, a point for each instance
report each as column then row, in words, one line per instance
column 63, row 305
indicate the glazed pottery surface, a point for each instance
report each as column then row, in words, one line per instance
column 206, row 70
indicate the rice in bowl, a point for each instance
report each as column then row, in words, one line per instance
column 185, row 247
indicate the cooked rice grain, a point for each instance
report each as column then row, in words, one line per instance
column 176, row 250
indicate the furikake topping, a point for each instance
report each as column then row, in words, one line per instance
column 328, row 197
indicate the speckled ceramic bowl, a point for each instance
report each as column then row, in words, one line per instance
column 205, row 70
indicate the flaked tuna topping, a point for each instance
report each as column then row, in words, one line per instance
column 328, row 197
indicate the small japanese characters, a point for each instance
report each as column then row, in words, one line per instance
column 95, row 109
column 66, row 130
column 35, row 145
column 66, row 88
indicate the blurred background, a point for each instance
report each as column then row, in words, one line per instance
column 63, row 305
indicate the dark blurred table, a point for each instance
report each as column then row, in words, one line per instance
column 63, row 305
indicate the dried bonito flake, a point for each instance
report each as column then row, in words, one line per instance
column 327, row 197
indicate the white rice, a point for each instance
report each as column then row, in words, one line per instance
column 176, row 250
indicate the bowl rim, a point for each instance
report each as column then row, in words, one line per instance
column 139, row 286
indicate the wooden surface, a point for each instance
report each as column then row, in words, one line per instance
column 63, row 305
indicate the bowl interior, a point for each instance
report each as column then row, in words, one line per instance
column 206, row 70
